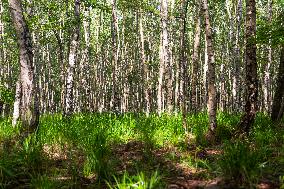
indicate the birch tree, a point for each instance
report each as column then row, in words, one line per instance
column 29, row 103
column 194, row 61
column 164, row 59
column 115, row 53
column 69, row 99
column 251, row 68
column 211, row 104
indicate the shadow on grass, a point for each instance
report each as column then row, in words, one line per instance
column 41, row 167
column 88, row 155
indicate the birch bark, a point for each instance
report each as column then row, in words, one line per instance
column 29, row 103
column 69, row 99
column 251, row 68
column 211, row 103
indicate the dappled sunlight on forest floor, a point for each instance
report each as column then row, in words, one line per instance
column 89, row 152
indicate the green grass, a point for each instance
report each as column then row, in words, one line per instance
column 120, row 151
column 139, row 181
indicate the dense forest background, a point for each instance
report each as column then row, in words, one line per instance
column 201, row 72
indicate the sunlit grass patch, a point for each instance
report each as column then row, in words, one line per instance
column 89, row 149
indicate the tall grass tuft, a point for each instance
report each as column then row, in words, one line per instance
column 139, row 181
column 241, row 163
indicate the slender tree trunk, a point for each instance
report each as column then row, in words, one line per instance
column 251, row 68
column 237, row 59
column 183, row 63
column 2, row 55
column 205, row 76
column 61, row 63
column 278, row 99
column 233, row 56
column 212, row 104
column 85, row 64
column 222, row 88
column 18, row 94
column 267, row 82
column 29, row 102
column 164, row 70
column 69, row 99
column 145, row 74
column 194, row 59
column 2, row 48
column 115, row 52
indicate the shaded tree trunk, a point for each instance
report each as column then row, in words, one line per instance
column 278, row 99
column 29, row 112
column 237, row 60
column 2, row 54
column 115, row 52
column 251, row 68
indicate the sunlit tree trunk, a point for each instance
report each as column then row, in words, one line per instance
column 205, row 76
column 16, row 112
column 267, row 82
column 222, row 88
column 211, row 104
column 251, row 68
column 164, row 70
column 29, row 103
column 145, row 74
column 69, row 99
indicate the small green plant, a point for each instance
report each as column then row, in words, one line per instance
column 241, row 163
column 281, row 182
column 139, row 181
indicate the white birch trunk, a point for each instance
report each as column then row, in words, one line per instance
column 211, row 71
column 69, row 99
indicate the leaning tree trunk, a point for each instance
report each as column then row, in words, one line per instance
column 69, row 99
column 277, row 111
column 29, row 103
column 211, row 104
column 251, row 68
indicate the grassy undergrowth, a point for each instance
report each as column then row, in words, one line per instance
column 135, row 151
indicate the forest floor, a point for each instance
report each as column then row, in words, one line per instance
column 132, row 151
